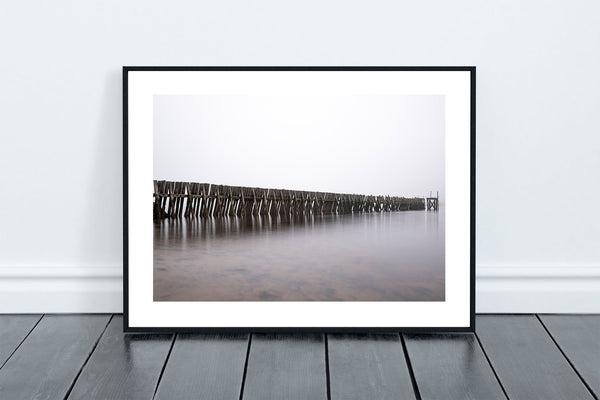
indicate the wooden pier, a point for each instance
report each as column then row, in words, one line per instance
column 194, row 200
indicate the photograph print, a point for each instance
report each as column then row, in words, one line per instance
column 298, row 197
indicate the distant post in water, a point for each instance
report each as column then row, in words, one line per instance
column 433, row 203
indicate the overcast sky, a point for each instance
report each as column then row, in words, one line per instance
column 392, row 145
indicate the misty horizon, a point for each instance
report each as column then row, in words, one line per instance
column 377, row 145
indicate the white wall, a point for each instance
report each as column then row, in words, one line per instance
column 538, row 127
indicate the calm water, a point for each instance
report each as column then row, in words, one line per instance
column 388, row 256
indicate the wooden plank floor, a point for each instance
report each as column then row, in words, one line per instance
column 510, row 356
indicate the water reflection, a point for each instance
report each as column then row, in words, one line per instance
column 388, row 256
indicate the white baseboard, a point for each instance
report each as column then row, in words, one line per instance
column 508, row 289
column 500, row 289
column 50, row 289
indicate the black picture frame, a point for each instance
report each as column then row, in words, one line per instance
column 128, row 327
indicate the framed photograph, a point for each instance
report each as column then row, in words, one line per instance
column 299, row 198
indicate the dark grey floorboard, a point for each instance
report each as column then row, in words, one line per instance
column 451, row 366
column 46, row 364
column 286, row 366
column 123, row 366
column 368, row 366
column 205, row 367
column 579, row 338
column 526, row 360
column 13, row 329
